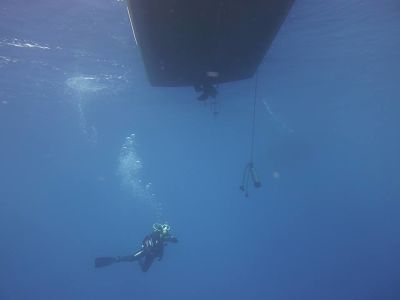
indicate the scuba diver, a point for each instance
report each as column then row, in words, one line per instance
column 207, row 90
column 152, row 247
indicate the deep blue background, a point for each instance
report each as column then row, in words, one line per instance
column 328, row 112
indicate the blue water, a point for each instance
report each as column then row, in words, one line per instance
column 325, row 223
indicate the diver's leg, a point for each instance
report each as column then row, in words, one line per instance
column 148, row 260
column 138, row 254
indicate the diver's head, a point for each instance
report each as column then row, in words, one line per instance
column 164, row 229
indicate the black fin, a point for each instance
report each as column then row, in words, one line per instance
column 103, row 261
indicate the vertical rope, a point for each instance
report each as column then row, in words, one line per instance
column 254, row 121
column 249, row 169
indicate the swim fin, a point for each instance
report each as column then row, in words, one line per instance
column 104, row 261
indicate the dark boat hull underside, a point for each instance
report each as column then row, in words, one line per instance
column 192, row 42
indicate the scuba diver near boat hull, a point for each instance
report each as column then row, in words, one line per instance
column 152, row 248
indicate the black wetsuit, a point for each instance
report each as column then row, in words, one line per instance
column 152, row 247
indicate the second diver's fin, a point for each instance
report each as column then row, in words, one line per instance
column 104, row 261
